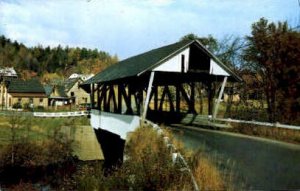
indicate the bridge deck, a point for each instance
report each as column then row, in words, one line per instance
column 185, row 119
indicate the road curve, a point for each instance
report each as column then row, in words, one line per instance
column 263, row 163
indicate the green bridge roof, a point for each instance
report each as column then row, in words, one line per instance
column 137, row 65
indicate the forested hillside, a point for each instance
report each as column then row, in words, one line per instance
column 46, row 62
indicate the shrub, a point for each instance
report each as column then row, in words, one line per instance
column 40, row 108
column 207, row 175
column 25, row 155
column 22, row 186
column 50, row 162
column 26, row 106
column 89, row 176
column 148, row 166
column 17, row 106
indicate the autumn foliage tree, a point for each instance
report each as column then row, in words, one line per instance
column 273, row 52
column 63, row 61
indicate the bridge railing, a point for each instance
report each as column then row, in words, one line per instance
column 61, row 114
column 267, row 124
column 176, row 156
column 210, row 121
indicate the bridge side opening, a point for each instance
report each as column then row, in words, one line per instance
column 175, row 98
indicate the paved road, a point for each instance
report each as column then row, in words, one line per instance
column 263, row 163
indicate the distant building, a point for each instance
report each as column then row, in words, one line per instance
column 20, row 93
column 66, row 93
column 83, row 77
column 8, row 73
column 56, row 95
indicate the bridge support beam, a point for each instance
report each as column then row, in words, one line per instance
column 192, row 99
column 147, row 97
column 119, row 99
column 92, row 95
column 219, row 98
column 210, row 95
column 177, row 98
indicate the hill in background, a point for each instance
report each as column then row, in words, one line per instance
column 47, row 63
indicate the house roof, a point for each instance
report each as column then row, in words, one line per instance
column 48, row 89
column 59, row 90
column 28, row 86
column 69, row 83
column 137, row 65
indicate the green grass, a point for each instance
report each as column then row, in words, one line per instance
column 33, row 129
column 5, row 135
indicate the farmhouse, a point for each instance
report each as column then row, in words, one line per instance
column 67, row 93
column 17, row 93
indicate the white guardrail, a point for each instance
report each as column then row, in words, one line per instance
column 176, row 156
column 277, row 124
column 61, row 114
column 198, row 118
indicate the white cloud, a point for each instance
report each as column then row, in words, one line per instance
column 128, row 27
column 160, row 2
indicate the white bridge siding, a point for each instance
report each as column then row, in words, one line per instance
column 215, row 69
column 174, row 64
column 115, row 123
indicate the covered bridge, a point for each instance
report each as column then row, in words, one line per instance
column 126, row 93
column 139, row 86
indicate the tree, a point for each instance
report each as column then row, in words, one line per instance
column 228, row 50
column 41, row 60
column 14, row 121
column 273, row 52
column 209, row 42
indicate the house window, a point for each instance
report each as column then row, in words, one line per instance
column 72, row 94
column 41, row 102
column 19, row 100
column 31, row 102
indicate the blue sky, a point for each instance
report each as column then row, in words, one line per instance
column 130, row 27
